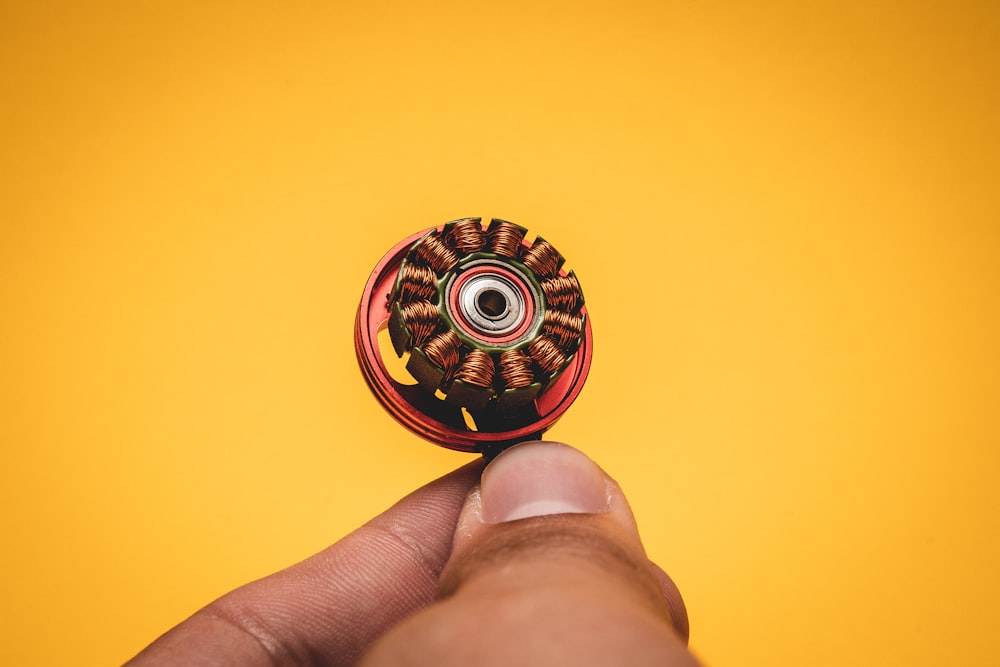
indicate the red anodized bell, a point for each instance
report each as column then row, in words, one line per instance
column 494, row 332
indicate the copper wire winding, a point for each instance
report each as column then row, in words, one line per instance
column 435, row 253
column 546, row 353
column 542, row 258
column 562, row 292
column 438, row 253
column 467, row 236
column 563, row 328
column 416, row 283
column 421, row 319
column 504, row 239
column 515, row 368
column 442, row 351
column 477, row 369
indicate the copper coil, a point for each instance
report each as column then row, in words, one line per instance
column 505, row 239
column 542, row 258
column 442, row 351
column 416, row 283
column 433, row 252
column 544, row 352
column 477, row 369
column 562, row 292
column 563, row 328
column 467, row 236
column 421, row 319
column 515, row 367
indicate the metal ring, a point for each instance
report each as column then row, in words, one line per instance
column 508, row 328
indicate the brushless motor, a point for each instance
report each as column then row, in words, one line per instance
column 493, row 330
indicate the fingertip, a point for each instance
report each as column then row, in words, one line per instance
column 542, row 478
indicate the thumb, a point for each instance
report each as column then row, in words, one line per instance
column 547, row 568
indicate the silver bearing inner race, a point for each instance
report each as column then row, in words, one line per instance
column 492, row 304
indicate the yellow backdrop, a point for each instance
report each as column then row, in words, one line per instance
column 784, row 216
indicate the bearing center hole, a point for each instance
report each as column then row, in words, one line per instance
column 491, row 303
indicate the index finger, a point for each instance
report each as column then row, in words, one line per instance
column 330, row 607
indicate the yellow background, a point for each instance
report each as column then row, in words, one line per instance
column 784, row 216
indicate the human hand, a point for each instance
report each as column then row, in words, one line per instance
column 540, row 564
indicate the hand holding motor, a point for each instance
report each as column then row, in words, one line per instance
column 540, row 563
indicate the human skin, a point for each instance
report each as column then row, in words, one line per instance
column 534, row 561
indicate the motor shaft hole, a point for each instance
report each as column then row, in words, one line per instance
column 492, row 304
